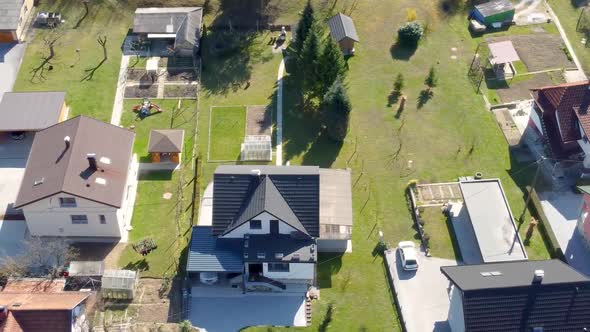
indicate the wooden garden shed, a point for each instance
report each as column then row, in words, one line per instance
column 343, row 32
column 165, row 145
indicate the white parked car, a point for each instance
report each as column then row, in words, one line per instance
column 408, row 255
column 208, row 278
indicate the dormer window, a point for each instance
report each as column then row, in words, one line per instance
column 255, row 224
column 67, row 202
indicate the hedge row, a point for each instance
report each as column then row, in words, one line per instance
column 544, row 226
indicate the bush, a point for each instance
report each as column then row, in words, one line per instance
column 410, row 33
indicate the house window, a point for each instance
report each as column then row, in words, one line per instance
column 261, row 255
column 79, row 219
column 278, row 267
column 255, row 224
column 102, row 218
column 67, row 202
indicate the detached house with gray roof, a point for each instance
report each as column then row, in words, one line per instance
column 80, row 181
column 268, row 225
column 13, row 17
column 169, row 31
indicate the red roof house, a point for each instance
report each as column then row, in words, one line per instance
column 564, row 111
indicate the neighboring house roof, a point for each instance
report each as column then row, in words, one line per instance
column 495, row 7
column 569, row 101
column 166, row 140
column 54, row 167
column 34, row 285
column 30, row 111
column 289, row 249
column 243, row 191
column 10, row 14
column 208, row 253
column 503, row 52
column 492, row 221
column 335, row 197
column 184, row 22
column 342, row 26
column 503, row 296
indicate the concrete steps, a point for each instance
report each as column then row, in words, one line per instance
column 308, row 310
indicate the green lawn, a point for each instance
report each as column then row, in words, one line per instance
column 442, row 241
column 156, row 217
column 170, row 118
column 228, row 128
column 90, row 97
column 568, row 16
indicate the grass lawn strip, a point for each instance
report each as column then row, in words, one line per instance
column 227, row 131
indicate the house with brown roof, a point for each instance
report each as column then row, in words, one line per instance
column 35, row 305
column 564, row 115
column 80, row 181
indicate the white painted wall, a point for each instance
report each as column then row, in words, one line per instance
column 47, row 218
column 265, row 219
column 456, row 318
column 297, row 271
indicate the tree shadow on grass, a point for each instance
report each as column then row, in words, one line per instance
column 139, row 265
column 327, row 318
column 322, row 152
column 155, row 175
column 424, row 97
column 393, row 97
column 402, row 52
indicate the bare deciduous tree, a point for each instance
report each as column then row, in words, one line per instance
column 41, row 257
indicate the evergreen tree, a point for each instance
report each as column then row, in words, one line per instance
column 432, row 79
column 336, row 109
column 309, row 62
column 398, row 86
column 331, row 65
column 305, row 22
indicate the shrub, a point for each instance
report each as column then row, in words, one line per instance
column 411, row 15
column 410, row 33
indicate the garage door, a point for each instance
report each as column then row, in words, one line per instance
column 7, row 37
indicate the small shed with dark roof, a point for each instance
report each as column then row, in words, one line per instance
column 165, row 145
column 32, row 111
column 343, row 32
column 494, row 13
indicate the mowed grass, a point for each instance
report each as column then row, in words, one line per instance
column 92, row 97
column 569, row 15
column 228, row 128
column 442, row 240
column 155, row 217
column 170, row 118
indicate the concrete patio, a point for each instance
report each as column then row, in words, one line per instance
column 230, row 314
column 562, row 210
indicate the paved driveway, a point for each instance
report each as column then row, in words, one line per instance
column 562, row 210
column 230, row 314
column 422, row 295
column 10, row 58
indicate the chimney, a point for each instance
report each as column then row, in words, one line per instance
column 91, row 160
column 538, row 278
column 67, row 141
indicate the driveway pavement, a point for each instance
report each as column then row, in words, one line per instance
column 562, row 210
column 10, row 59
column 422, row 295
column 13, row 160
column 230, row 314
column 206, row 207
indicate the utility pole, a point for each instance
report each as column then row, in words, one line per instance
column 533, row 185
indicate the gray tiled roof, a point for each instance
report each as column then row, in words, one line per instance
column 185, row 22
column 10, row 14
column 510, row 301
column 208, row 253
column 62, row 168
column 30, row 111
column 342, row 26
column 166, row 140
column 297, row 186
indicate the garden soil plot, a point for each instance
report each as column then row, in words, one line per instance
column 438, row 193
column 538, row 51
column 137, row 75
column 141, row 91
column 258, row 120
column 185, row 75
column 181, row 91
column 521, row 90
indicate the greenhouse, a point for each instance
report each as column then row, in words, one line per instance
column 119, row 284
column 256, row 148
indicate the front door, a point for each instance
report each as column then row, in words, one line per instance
column 255, row 269
column 274, row 227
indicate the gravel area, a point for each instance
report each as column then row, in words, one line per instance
column 181, row 75
column 180, row 91
column 141, row 91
